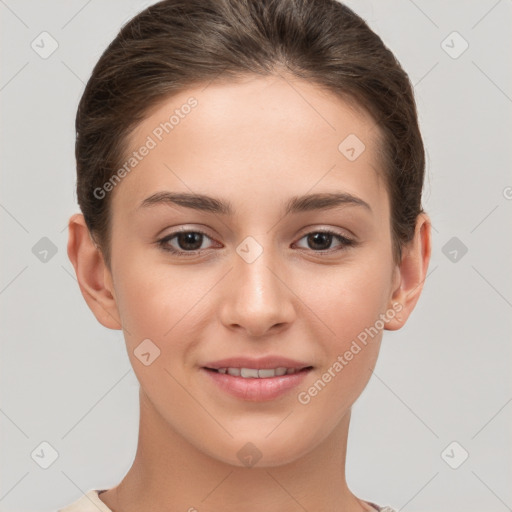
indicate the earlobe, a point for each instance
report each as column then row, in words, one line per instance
column 92, row 274
column 411, row 274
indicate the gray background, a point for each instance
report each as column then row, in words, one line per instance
column 444, row 377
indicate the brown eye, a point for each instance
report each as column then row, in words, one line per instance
column 189, row 241
column 186, row 241
column 321, row 241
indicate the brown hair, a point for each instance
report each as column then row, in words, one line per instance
column 175, row 44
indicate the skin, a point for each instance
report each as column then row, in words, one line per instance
column 239, row 144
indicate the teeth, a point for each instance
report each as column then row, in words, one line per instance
column 269, row 372
column 248, row 373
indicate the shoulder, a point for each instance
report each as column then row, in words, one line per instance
column 88, row 502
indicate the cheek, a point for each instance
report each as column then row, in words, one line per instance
column 349, row 334
column 163, row 308
column 346, row 307
column 347, row 300
column 164, row 304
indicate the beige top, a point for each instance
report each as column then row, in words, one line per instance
column 90, row 502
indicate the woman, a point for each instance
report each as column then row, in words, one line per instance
column 249, row 174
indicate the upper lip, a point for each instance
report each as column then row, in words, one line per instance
column 258, row 363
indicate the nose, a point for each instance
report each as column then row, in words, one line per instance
column 257, row 298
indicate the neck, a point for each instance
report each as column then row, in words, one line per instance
column 171, row 475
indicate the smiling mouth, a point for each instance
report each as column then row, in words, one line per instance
column 254, row 373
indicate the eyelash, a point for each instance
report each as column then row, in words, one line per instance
column 163, row 242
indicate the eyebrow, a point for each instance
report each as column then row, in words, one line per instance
column 296, row 204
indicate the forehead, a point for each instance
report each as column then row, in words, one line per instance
column 252, row 139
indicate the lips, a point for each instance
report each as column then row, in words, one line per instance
column 256, row 379
column 263, row 363
column 255, row 389
column 253, row 373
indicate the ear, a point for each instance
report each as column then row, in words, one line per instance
column 410, row 274
column 94, row 278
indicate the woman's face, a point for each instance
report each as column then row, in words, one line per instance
column 257, row 280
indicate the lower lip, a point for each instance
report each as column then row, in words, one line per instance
column 255, row 389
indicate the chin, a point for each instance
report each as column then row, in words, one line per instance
column 261, row 451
